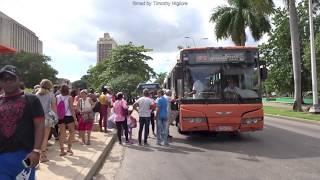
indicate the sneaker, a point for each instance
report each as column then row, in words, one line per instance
column 159, row 144
column 169, row 136
column 166, row 144
column 146, row 144
column 140, row 144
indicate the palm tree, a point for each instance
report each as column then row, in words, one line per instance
column 231, row 21
column 296, row 57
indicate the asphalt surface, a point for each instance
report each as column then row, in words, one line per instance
column 283, row 150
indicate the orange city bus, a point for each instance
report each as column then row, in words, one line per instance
column 213, row 106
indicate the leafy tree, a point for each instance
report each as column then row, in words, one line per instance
column 123, row 70
column 85, row 77
column 32, row 67
column 232, row 21
column 307, row 56
column 81, row 84
column 160, row 77
column 277, row 51
column 126, row 83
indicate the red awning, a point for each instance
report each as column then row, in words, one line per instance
column 4, row 49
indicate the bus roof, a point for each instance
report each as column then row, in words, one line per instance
column 227, row 47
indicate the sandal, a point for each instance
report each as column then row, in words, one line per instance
column 88, row 142
column 70, row 152
column 63, row 153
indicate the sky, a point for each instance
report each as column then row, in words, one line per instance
column 69, row 29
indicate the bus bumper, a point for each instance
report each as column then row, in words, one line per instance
column 222, row 127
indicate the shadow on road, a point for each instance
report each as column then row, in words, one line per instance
column 271, row 143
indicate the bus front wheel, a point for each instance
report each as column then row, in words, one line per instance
column 181, row 132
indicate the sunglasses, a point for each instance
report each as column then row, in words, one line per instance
column 8, row 77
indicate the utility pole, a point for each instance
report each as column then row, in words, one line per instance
column 315, row 107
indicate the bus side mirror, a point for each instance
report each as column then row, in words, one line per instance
column 263, row 70
column 263, row 73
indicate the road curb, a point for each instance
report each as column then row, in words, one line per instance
column 97, row 160
column 295, row 119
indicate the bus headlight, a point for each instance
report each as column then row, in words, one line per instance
column 195, row 120
column 251, row 120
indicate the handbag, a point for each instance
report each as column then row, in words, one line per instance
column 52, row 116
column 87, row 116
column 132, row 123
column 110, row 123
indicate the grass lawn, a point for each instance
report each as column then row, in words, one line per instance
column 290, row 113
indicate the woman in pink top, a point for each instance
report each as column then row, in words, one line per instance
column 120, row 109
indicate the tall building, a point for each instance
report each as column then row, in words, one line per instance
column 16, row 36
column 104, row 46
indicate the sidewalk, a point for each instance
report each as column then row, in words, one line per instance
column 282, row 105
column 83, row 164
column 289, row 106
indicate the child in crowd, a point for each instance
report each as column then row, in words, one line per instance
column 132, row 123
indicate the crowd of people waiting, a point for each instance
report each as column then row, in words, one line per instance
column 28, row 121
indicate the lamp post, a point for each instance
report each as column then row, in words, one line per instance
column 204, row 38
column 315, row 107
column 187, row 37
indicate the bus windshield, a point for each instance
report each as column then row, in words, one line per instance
column 219, row 81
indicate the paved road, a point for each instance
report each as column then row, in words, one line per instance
column 283, row 150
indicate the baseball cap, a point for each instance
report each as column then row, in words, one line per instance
column 9, row 69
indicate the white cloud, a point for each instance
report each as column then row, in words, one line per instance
column 69, row 29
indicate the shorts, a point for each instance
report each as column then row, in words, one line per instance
column 66, row 120
column 11, row 166
column 85, row 125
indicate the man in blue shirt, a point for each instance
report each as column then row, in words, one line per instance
column 162, row 119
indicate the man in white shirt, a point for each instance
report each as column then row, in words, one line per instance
column 168, row 95
column 197, row 89
column 145, row 105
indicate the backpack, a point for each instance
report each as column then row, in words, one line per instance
column 61, row 109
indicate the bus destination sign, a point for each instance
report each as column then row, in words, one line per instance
column 212, row 58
